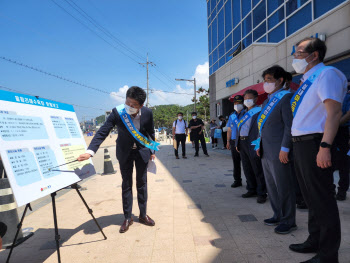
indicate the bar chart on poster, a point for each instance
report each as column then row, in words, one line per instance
column 37, row 136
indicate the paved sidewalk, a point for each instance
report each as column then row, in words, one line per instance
column 199, row 218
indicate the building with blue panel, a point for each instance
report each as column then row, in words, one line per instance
column 247, row 36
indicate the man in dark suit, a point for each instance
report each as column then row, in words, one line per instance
column 129, row 150
column 275, row 147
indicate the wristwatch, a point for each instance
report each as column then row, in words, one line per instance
column 325, row 145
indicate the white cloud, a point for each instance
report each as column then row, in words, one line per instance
column 120, row 95
column 202, row 75
column 180, row 97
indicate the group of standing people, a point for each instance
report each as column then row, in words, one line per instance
column 296, row 139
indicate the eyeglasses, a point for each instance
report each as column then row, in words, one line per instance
column 298, row 54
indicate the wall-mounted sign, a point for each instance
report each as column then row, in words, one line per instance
column 317, row 35
column 232, row 82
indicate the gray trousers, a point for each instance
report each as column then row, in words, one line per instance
column 279, row 184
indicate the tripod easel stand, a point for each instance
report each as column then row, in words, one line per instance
column 57, row 236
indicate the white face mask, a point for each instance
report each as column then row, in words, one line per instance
column 179, row 117
column 269, row 87
column 249, row 103
column 300, row 65
column 238, row 107
column 131, row 110
column 194, row 117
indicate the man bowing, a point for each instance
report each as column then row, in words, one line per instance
column 135, row 143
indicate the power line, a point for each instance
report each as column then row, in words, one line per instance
column 108, row 34
column 3, row 87
column 56, row 76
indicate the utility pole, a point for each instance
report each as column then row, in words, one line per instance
column 152, row 64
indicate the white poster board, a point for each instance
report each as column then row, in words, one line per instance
column 36, row 135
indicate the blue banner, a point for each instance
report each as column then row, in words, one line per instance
column 133, row 131
column 34, row 101
column 248, row 115
column 300, row 93
column 265, row 113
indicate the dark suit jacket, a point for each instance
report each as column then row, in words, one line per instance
column 253, row 134
column 125, row 140
column 276, row 132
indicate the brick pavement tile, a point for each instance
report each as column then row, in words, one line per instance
column 186, row 257
column 231, row 255
column 163, row 255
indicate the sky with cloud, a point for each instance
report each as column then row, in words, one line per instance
column 54, row 37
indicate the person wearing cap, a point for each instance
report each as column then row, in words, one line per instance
column 214, row 141
column 317, row 111
column 273, row 146
column 222, row 125
column 341, row 143
column 251, row 162
column 232, row 134
column 197, row 126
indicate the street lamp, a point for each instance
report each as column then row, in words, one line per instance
column 195, row 90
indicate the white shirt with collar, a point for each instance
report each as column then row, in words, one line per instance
column 311, row 115
column 181, row 126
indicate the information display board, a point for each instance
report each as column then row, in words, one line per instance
column 35, row 136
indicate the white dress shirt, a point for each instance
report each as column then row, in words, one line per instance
column 311, row 115
column 180, row 127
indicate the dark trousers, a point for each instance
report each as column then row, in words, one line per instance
column 126, row 170
column 213, row 141
column 342, row 159
column 252, row 168
column 299, row 199
column 236, row 158
column 316, row 184
column 180, row 138
column 197, row 138
column 224, row 138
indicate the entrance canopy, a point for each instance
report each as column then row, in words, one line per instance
column 260, row 89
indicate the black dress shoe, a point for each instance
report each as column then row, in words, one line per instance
column 177, row 157
column 125, row 225
column 261, row 199
column 341, row 196
column 249, row 194
column 302, row 205
column 303, row 248
column 196, row 155
column 315, row 259
column 147, row 221
column 236, row 184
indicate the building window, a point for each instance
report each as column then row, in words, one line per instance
column 276, row 18
column 247, row 25
column 221, row 25
column 259, row 14
column 272, row 5
column 246, row 7
column 222, row 61
column 216, row 66
column 214, row 33
column 222, row 49
column 321, row 7
column 211, row 59
column 293, row 5
column 277, row 34
column 237, row 35
column 215, row 56
column 209, row 39
column 208, row 9
column 229, row 55
column 247, row 41
column 262, row 40
column 220, row 4
column 212, row 4
column 299, row 19
column 236, row 12
column 228, row 18
column 228, row 42
column 255, row 2
column 258, row 32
